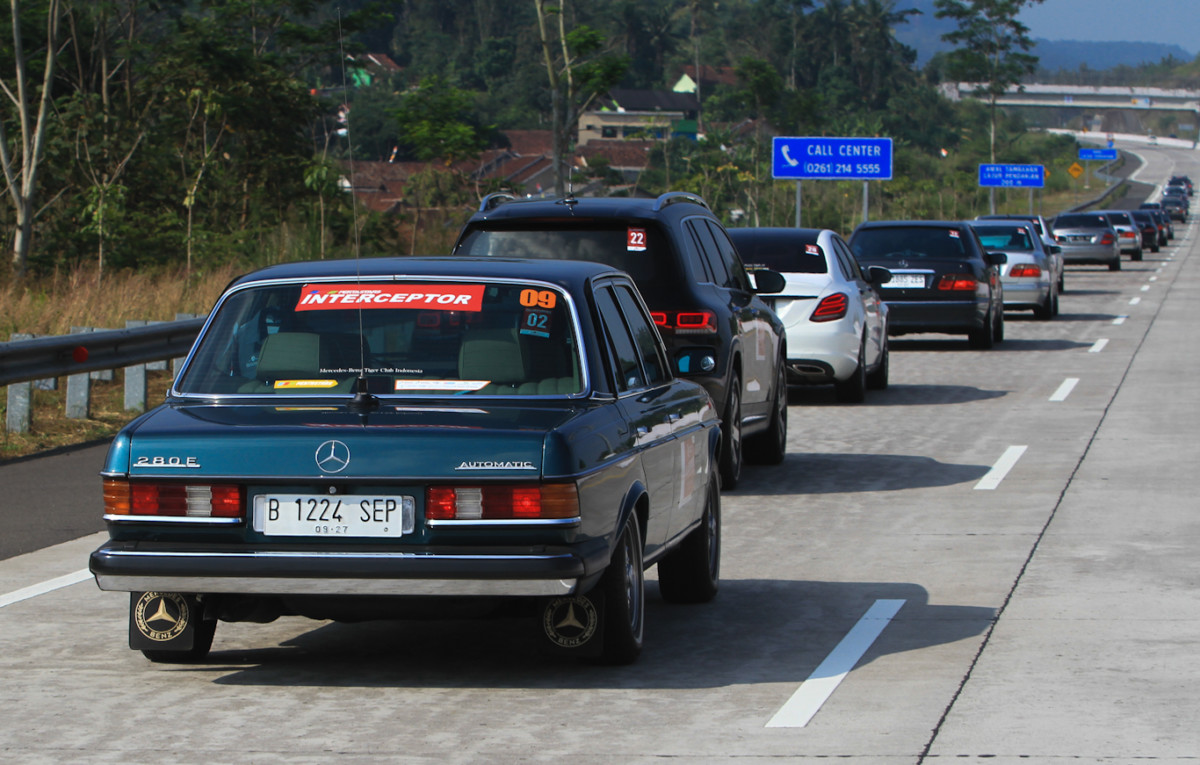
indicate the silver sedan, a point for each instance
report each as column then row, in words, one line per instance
column 1087, row 238
column 1031, row 276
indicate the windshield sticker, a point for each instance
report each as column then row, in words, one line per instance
column 438, row 297
column 441, row 385
column 306, row 383
column 536, row 323
column 812, row 249
column 635, row 240
column 953, row 233
column 538, row 298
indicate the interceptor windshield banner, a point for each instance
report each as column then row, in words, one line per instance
column 444, row 297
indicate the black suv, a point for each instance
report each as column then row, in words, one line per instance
column 704, row 302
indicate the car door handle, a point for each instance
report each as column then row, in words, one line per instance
column 674, row 417
column 642, row 430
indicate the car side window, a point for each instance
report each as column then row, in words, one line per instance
column 738, row 278
column 848, row 263
column 644, row 335
column 717, row 272
column 625, row 354
column 690, row 246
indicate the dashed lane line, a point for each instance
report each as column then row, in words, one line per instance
column 50, row 585
column 1007, row 461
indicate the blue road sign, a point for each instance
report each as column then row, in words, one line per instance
column 841, row 159
column 1033, row 176
column 1103, row 155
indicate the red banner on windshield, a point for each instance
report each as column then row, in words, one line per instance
column 435, row 297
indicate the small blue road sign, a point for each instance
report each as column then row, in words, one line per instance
column 1033, row 176
column 841, row 159
column 1102, row 155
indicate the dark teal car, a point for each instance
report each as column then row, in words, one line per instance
column 365, row 439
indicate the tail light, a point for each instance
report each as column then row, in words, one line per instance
column 1107, row 239
column 1127, row 235
column 1025, row 270
column 957, row 283
column 686, row 322
column 173, row 500
column 831, row 308
column 488, row 503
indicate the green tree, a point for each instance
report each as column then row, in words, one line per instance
column 438, row 121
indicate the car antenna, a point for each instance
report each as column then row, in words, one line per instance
column 363, row 401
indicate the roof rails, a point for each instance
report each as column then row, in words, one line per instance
column 494, row 200
column 675, row 197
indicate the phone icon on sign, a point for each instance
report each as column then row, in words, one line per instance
column 788, row 157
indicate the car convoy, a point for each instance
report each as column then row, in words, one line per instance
column 527, row 425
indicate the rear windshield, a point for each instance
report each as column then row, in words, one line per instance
column 1012, row 238
column 1081, row 221
column 641, row 251
column 409, row 338
column 907, row 243
column 789, row 254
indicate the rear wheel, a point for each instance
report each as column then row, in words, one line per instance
column 984, row 337
column 1045, row 311
column 1137, row 256
column 853, row 390
column 878, row 380
column 770, row 448
column 731, row 436
column 1115, row 265
column 691, row 572
column 623, row 584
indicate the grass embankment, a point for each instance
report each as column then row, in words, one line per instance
column 54, row 304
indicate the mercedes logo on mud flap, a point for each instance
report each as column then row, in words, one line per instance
column 333, row 456
column 570, row 622
column 161, row 616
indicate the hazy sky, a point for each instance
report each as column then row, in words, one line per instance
column 1167, row 21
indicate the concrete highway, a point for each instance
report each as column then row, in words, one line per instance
column 993, row 559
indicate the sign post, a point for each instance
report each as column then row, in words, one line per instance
column 832, row 159
column 1096, row 155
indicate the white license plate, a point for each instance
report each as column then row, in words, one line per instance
column 330, row 515
column 903, row 281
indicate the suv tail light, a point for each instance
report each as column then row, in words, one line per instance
column 957, row 283
column 486, row 503
column 686, row 322
column 173, row 500
column 831, row 308
column 1025, row 270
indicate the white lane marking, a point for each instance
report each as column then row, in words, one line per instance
column 1153, row 278
column 50, row 585
column 824, row 680
column 1099, row 345
column 1135, row 301
column 1065, row 389
column 1006, row 463
column 1145, row 288
column 1120, row 319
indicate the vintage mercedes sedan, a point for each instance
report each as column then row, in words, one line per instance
column 381, row 438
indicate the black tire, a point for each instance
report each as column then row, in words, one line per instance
column 878, row 379
column 984, row 337
column 202, row 641
column 770, row 448
column 1045, row 311
column 853, row 390
column 624, row 588
column 691, row 573
column 1056, row 302
column 1137, row 256
column 1115, row 265
column 998, row 327
column 731, row 436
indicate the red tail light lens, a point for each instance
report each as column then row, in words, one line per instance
column 173, row 500
column 489, row 503
column 1127, row 235
column 957, row 283
column 686, row 322
column 1107, row 239
column 831, row 308
column 1026, row 271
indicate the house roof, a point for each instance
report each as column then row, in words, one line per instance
column 717, row 75
column 631, row 100
column 633, row 155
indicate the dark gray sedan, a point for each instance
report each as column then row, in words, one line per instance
column 1087, row 238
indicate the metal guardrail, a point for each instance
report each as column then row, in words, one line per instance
column 105, row 349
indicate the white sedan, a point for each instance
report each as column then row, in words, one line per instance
column 835, row 320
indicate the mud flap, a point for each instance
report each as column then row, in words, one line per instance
column 163, row 621
column 575, row 624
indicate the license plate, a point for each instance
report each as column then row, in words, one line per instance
column 324, row 515
column 905, row 281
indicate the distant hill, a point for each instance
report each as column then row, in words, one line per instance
column 924, row 34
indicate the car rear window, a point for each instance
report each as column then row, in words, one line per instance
column 413, row 337
column 1013, row 238
column 1080, row 221
column 639, row 249
column 908, row 242
column 782, row 251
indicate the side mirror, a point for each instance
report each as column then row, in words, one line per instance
column 878, row 275
column 767, row 281
column 1055, row 249
column 997, row 258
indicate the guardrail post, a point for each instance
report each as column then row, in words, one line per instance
column 97, row 374
column 18, row 417
column 79, row 391
column 135, row 378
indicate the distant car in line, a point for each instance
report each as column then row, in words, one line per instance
column 1042, row 227
column 1129, row 235
column 942, row 278
column 1166, row 228
column 1087, row 238
column 1030, row 275
column 1176, row 207
column 1149, row 228
column 836, row 322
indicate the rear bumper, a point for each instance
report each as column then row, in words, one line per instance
column 956, row 317
column 1025, row 293
column 1090, row 255
column 138, row 567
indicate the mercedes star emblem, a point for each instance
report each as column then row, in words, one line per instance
column 333, row 456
